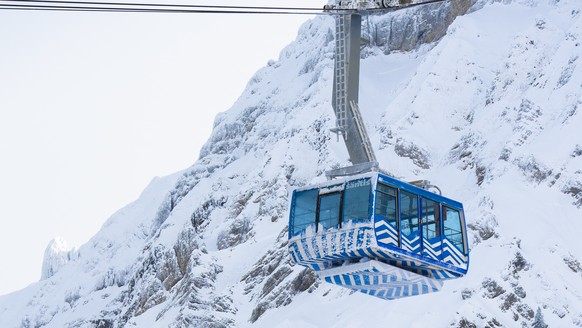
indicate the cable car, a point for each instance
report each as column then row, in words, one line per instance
column 378, row 235
column 367, row 231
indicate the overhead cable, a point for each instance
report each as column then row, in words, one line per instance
column 388, row 9
column 56, row 5
column 127, row 7
column 149, row 4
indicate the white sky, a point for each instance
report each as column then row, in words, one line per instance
column 94, row 105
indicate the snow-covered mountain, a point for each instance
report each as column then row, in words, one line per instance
column 490, row 112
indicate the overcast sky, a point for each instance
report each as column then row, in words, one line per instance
column 94, row 105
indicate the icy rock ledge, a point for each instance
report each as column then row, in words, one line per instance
column 56, row 255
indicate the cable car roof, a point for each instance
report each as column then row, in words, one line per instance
column 377, row 176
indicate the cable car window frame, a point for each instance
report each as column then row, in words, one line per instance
column 414, row 200
column 378, row 204
column 347, row 206
column 315, row 200
column 436, row 215
column 461, row 224
column 339, row 210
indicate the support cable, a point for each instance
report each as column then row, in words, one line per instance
column 139, row 7
column 395, row 8
column 162, row 5
column 4, row 6
column 96, row 6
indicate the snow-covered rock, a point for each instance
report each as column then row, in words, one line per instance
column 56, row 255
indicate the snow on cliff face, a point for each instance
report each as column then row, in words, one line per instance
column 56, row 255
column 490, row 113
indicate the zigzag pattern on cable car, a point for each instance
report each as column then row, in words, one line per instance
column 411, row 244
column 333, row 245
column 436, row 270
column 381, row 280
column 424, row 269
column 321, row 250
column 432, row 249
column 386, row 235
column 373, row 274
column 385, row 232
column 453, row 255
column 398, row 292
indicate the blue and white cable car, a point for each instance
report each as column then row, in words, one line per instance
column 378, row 235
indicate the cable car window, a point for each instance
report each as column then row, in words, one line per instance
column 329, row 210
column 304, row 210
column 408, row 212
column 386, row 203
column 430, row 219
column 453, row 228
column 356, row 201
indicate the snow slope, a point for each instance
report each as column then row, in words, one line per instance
column 490, row 113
